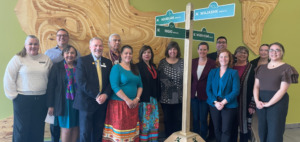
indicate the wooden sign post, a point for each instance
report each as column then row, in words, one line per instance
column 188, row 34
column 185, row 135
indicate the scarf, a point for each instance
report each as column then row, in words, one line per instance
column 70, row 93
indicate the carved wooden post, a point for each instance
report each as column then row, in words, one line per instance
column 185, row 135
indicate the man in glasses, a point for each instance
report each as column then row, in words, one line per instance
column 221, row 44
column 62, row 39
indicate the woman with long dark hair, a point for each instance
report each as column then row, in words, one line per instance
column 148, row 111
column 122, row 121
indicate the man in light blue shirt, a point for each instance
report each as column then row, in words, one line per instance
column 55, row 53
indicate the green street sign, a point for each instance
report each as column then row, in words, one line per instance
column 170, row 17
column 171, row 31
column 203, row 35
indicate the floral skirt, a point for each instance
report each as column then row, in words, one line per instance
column 121, row 123
column 149, row 121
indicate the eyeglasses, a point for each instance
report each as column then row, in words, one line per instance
column 265, row 50
column 272, row 50
column 221, row 42
column 62, row 35
column 245, row 53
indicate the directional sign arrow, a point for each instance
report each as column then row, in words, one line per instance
column 214, row 11
column 170, row 31
column 203, row 35
column 170, row 17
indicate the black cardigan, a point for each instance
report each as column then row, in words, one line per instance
column 56, row 88
column 151, row 87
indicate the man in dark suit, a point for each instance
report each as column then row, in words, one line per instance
column 92, row 98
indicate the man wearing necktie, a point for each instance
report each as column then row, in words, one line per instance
column 93, row 91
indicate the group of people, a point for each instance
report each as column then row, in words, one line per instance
column 104, row 96
column 232, row 89
column 98, row 97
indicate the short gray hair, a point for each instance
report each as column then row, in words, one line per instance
column 114, row 34
column 95, row 38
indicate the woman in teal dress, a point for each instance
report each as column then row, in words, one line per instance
column 122, row 121
column 61, row 93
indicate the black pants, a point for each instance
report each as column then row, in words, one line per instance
column 29, row 118
column 211, row 131
column 172, row 118
column 271, row 120
column 91, row 124
column 55, row 132
column 223, row 122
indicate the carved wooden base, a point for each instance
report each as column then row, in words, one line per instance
column 184, row 137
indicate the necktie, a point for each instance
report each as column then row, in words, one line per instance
column 99, row 72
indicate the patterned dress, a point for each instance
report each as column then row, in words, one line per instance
column 122, row 123
column 148, row 110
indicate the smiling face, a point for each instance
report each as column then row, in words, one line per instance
column 172, row 52
column 221, row 44
column 126, row 55
column 62, row 38
column 32, row 46
column 146, row 56
column 96, row 47
column 70, row 55
column 242, row 56
column 264, row 52
column 275, row 53
column 202, row 51
column 224, row 59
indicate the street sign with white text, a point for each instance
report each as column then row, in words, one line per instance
column 171, row 31
column 203, row 35
column 214, row 11
column 170, row 17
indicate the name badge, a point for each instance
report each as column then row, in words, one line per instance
column 42, row 62
column 103, row 65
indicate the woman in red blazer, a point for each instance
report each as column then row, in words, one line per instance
column 200, row 69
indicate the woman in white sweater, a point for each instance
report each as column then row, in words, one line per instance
column 25, row 83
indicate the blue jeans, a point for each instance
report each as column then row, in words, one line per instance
column 200, row 113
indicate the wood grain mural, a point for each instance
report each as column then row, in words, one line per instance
column 85, row 19
column 255, row 14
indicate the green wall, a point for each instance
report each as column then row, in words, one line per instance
column 12, row 40
column 282, row 26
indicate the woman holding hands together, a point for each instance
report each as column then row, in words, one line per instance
column 122, row 120
column 222, row 89
column 272, row 81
